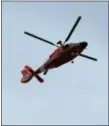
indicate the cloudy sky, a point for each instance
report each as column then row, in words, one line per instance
column 72, row 94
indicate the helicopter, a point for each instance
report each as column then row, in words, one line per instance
column 64, row 53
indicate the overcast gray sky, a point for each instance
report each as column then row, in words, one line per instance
column 72, row 94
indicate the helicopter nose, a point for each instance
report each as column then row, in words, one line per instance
column 84, row 44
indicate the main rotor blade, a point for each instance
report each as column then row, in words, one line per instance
column 72, row 30
column 27, row 33
column 88, row 57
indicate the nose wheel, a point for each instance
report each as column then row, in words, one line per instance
column 72, row 61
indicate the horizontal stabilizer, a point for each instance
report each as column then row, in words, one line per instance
column 39, row 78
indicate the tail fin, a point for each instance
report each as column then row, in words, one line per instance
column 28, row 74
